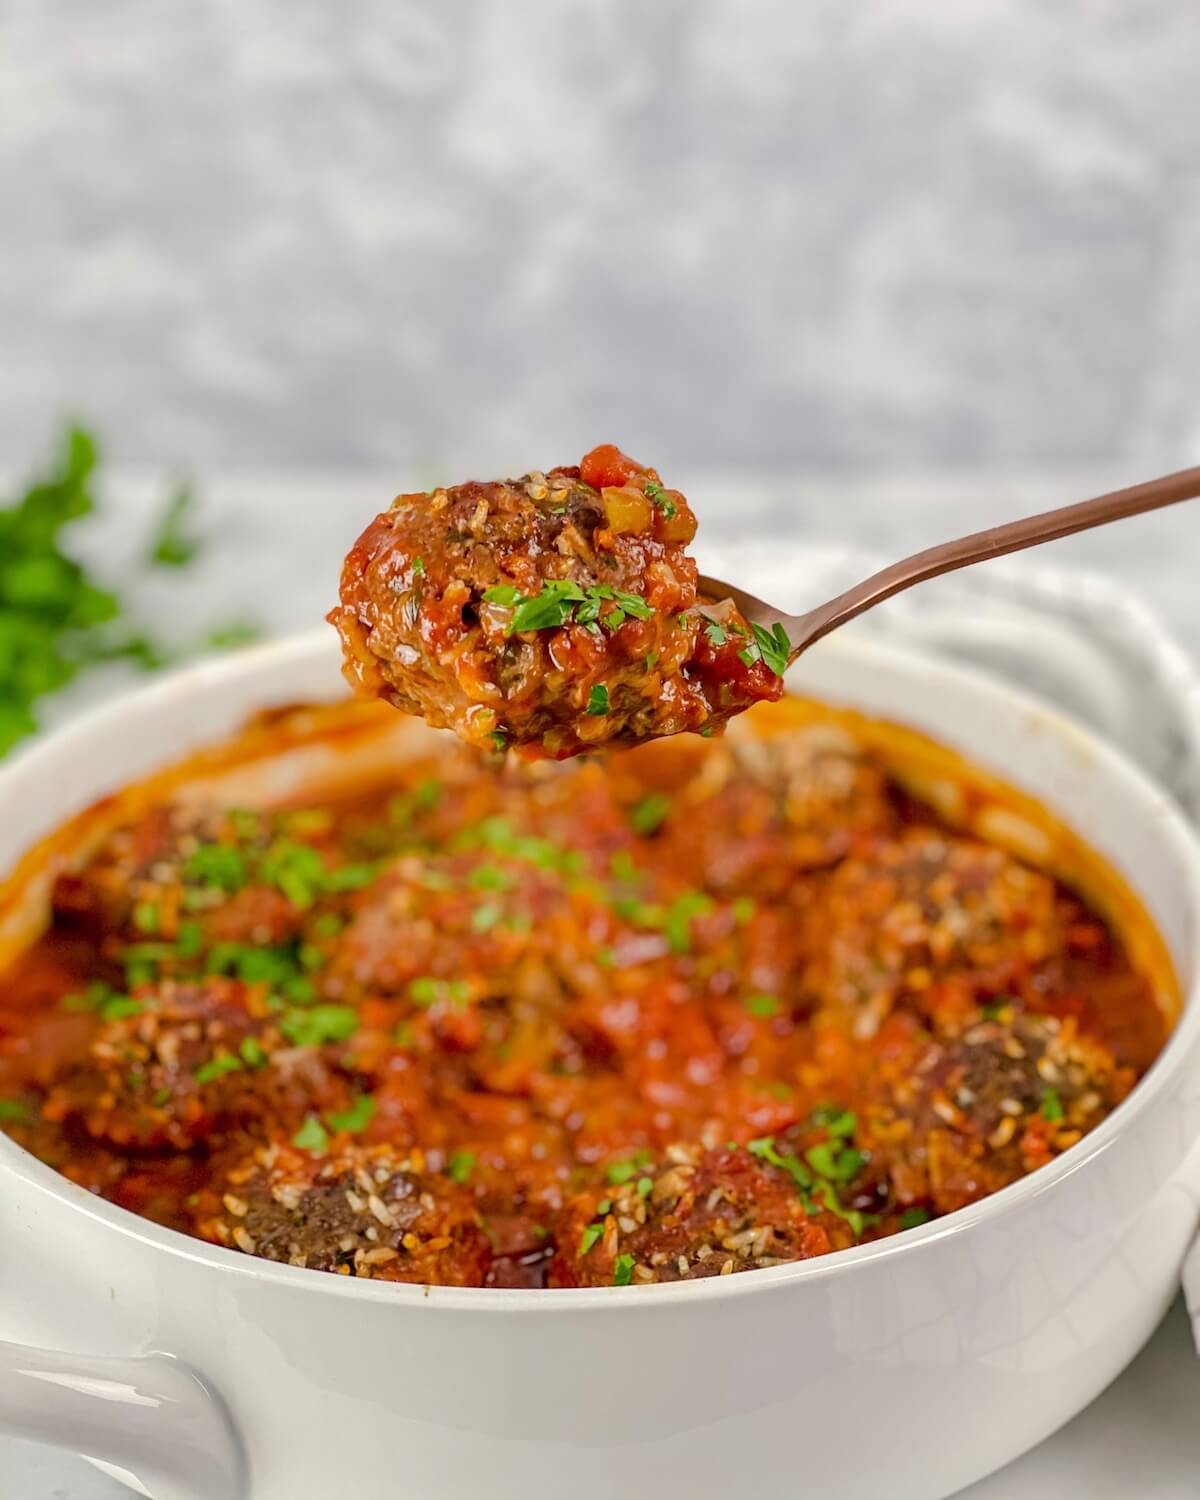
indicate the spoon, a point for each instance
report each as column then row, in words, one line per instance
column 803, row 630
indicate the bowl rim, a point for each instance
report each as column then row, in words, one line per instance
column 1170, row 823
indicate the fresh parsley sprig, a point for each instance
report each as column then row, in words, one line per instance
column 769, row 646
column 562, row 602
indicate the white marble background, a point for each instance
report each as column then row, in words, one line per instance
column 836, row 234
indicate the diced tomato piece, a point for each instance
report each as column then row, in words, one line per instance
column 607, row 465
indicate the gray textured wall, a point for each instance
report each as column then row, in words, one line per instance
column 841, row 232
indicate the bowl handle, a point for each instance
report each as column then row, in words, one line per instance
column 149, row 1420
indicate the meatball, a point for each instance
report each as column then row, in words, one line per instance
column 180, row 1061
column 360, row 1211
column 697, row 1213
column 934, row 923
column 982, row 1109
column 203, row 875
column 557, row 612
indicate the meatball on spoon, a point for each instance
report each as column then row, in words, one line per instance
column 554, row 613
column 560, row 612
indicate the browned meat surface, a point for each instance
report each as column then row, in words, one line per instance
column 360, row 1211
column 556, row 612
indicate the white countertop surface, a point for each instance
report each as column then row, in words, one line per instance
column 276, row 539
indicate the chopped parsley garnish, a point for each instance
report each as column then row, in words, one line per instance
column 427, row 990
column 763, row 1006
column 503, row 593
column 562, row 601
column 743, row 910
column 312, row 1136
column 774, row 647
column 838, row 1122
column 591, row 1234
column 597, row 704
column 485, row 917
column 418, row 567
column 253, row 1053
column 491, row 878
column 678, row 922
column 118, row 1007
column 554, row 606
column 146, row 917
column 623, row 1270
column 350, row 878
column 356, row 1118
column 715, row 631
column 318, row 1025
column 837, row 1163
column 655, row 493
column 219, row 866
column 274, row 967
column 217, row 1067
column 499, row 739
column 771, row 647
column 911, row 1218
column 650, row 814
column 13, row 1109
column 460, row 1167
column 1052, row 1106
column 297, row 870
column 764, row 1149
column 92, row 998
column 645, row 1185
column 189, row 940
column 625, row 1171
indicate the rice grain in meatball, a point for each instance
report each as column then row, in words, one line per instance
column 556, row 612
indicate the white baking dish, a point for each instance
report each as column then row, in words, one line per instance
column 906, row 1368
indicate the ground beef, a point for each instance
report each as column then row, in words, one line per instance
column 689, row 1214
column 972, row 1113
column 935, row 923
column 360, row 1211
column 557, row 612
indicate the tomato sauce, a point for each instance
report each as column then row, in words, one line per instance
column 707, row 1006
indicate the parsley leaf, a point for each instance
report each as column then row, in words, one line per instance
column 591, row 1234
column 357, row 1117
column 597, row 704
column 312, row 1136
column 460, row 1167
column 319, row 1024
column 650, row 814
column 623, row 1270
column 217, row 1067
column 172, row 546
column 773, row 646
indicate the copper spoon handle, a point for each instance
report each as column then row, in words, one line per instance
column 804, row 629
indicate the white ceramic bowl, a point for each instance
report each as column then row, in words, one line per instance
column 902, row 1369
